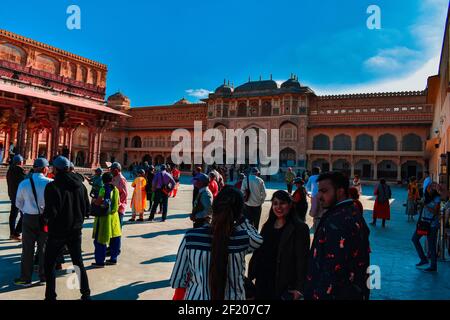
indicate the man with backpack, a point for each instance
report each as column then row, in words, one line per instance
column 201, row 214
column 254, row 191
column 14, row 176
column 30, row 201
column 66, row 206
column 162, row 185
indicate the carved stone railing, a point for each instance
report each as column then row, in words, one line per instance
column 43, row 77
column 413, row 113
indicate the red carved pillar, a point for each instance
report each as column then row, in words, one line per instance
column 35, row 153
column 70, row 141
column 64, row 132
column 55, row 141
column 91, row 144
column 21, row 138
column 49, row 144
column 6, row 147
column 28, row 154
column 99, row 135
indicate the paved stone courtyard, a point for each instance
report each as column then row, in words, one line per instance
column 149, row 251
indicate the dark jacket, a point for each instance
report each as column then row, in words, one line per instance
column 292, row 260
column 339, row 256
column 14, row 177
column 66, row 205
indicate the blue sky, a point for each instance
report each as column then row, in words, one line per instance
column 160, row 51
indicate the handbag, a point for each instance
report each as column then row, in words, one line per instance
column 42, row 221
column 423, row 227
column 102, row 210
column 165, row 187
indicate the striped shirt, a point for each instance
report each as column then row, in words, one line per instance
column 194, row 256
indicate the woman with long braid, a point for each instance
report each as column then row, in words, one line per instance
column 214, row 255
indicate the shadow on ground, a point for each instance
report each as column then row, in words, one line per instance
column 160, row 233
column 178, row 216
column 131, row 291
column 168, row 258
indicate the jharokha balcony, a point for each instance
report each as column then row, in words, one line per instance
column 31, row 76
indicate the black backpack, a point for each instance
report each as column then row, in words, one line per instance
column 102, row 210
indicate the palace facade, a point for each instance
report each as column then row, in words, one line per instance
column 51, row 101
column 373, row 135
column 438, row 145
column 146, row 134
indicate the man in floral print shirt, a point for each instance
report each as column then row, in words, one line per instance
column 340, row 252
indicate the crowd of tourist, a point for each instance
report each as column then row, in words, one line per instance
column 211, row 260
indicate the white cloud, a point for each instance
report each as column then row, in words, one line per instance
column 415, row 81
column 429, row 33
column 429, row 30
column 380, row 63
column 198, row 93
column 392, row 59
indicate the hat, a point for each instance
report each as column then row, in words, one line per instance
column 17, row 159
column 202, row 178
column 72, row 166
column 40, row 163
column 299, row 180
column 116, row 165
column 61, row 163
column 98, row 170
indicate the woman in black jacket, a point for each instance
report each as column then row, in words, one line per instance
column 279, row 266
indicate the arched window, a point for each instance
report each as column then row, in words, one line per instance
column 412, row 168
column 287, row 157
column 288, row 132
column 73, row 71
column 342, row 142
column 242, row 109
column 94, row 76
column 254, row 108
column 323, row 164
column 364, row 142
column 387, row 169
column 47, row 64
column 364, row 169
column 343, row 166
column 387, row 142
column 225, row 110
column 83, row 74
column 136, row 142
column 321, row 142
column 12, row 53
column 412, row 142
column 266, row 109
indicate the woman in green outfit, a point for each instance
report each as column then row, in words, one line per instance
column 107, row 228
